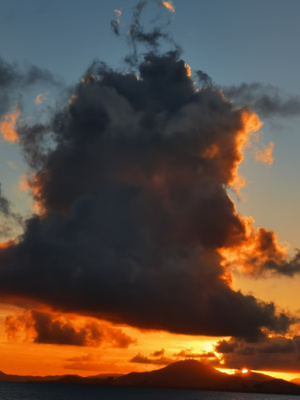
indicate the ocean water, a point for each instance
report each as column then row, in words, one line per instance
column 44, row 391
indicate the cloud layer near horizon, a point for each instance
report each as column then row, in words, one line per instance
column 44, row 327
column 271, row 354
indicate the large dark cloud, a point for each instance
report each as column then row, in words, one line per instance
column 136, row 207
column 132, row 185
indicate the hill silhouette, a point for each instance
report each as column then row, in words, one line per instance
column 191, row 374
column 182, row 374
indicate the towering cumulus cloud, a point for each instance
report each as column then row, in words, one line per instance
column 135, row 214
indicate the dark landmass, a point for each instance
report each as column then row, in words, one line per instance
column 189, row 374
column 296, row 380
column 20, row 378
column 72, row 379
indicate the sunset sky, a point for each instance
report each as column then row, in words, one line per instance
column 149, row 185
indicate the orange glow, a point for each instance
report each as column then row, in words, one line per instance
column 7, row 127
column 245, row 371
column 188, row 70
column 261, row 246
column 72, row 99
column 47, row 359
column 12, row 165
column 169, row 5
column 265, row 155
column 9, row 243
column 279, row 375
column 23, row 183
column 211, row 151
column 85, row 80
column 34, row 185
column 40, row 98
column 251, row 124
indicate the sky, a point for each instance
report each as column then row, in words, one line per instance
column 149, row 185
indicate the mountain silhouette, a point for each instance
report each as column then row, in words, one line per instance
column 191, row 374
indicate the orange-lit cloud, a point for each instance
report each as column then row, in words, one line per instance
column 40, row 99
column 250, row 125
column 9, row 243
column 12, row 165
column 44, row 327
column 161, row 358
column 33, row 184
column 259, row 253
column 23, row 183
column 265, row 155
column 158, row 353
column 87, row 362
column 7, row 126
column 72, row 99
column 115, row 24
column 169, row 5
column 188, row 70
column 141, row 359
column 190, row 354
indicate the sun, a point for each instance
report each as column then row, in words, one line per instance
column 245, row 370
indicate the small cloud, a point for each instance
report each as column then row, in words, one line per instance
column 7, row 126
column 190, row 354
column 265, row 155
column 115, row 24
column 40, row 98
column 12, row 165
column 87, row 357
column 169, row 5
column 141, row 359
column 188, row 70
column 118, row 13
column 158, row 353
column 87, row 362
column 23, row 183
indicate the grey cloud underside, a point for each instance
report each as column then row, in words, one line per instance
column 135, row 210
column 278, row 353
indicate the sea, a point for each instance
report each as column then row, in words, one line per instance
column 45, row 391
